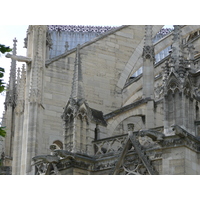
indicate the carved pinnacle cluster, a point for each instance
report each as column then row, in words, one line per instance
column 10, row 97
column 177, row 61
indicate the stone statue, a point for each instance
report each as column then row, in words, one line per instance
column 154, row 135
column 46, row 159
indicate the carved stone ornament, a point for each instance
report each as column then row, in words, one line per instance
column 34, row 96
column 148, row 52
column 159, row 89
column 49, row 41
column 110, row 146
column 197, row 93
column 19, row 109
column 130, row 127
column 44, row 162
column 73, row 28
column 25, row 42
column 135, row 169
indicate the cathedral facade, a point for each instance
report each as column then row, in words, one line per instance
column 104, row 100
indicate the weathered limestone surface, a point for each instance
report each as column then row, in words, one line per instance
column 102, row 63
column 162, row 97
column 173, row 161
column 180, row 161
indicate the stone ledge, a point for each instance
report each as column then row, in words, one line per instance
column 126, row 108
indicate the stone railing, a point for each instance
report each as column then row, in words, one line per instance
column 111, row 145
column 80, row 28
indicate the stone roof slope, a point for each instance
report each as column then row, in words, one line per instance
column 48, row 62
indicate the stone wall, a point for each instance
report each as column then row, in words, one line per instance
column 180, row 161
column 102, row 60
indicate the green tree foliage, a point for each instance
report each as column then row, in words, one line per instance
column 3, row 49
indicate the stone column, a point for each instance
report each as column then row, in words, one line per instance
column 32, row 126
column 148, row 76
column 19, row 116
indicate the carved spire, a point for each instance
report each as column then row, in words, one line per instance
column 10, row 99
column 21, row 89
column 18, row 79
column 177, row 52
column 77, row 92
column 148, row 50
column 15, row 46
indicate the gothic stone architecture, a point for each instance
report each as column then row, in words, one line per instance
column 104, row 100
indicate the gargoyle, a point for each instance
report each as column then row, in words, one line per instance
column 46, row 159
column 154, row 135
column 63, row 153
column 19, row 58
column 43, row 162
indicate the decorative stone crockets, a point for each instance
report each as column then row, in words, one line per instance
column 11, row 89
column 178, row 81
column 77, row 115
